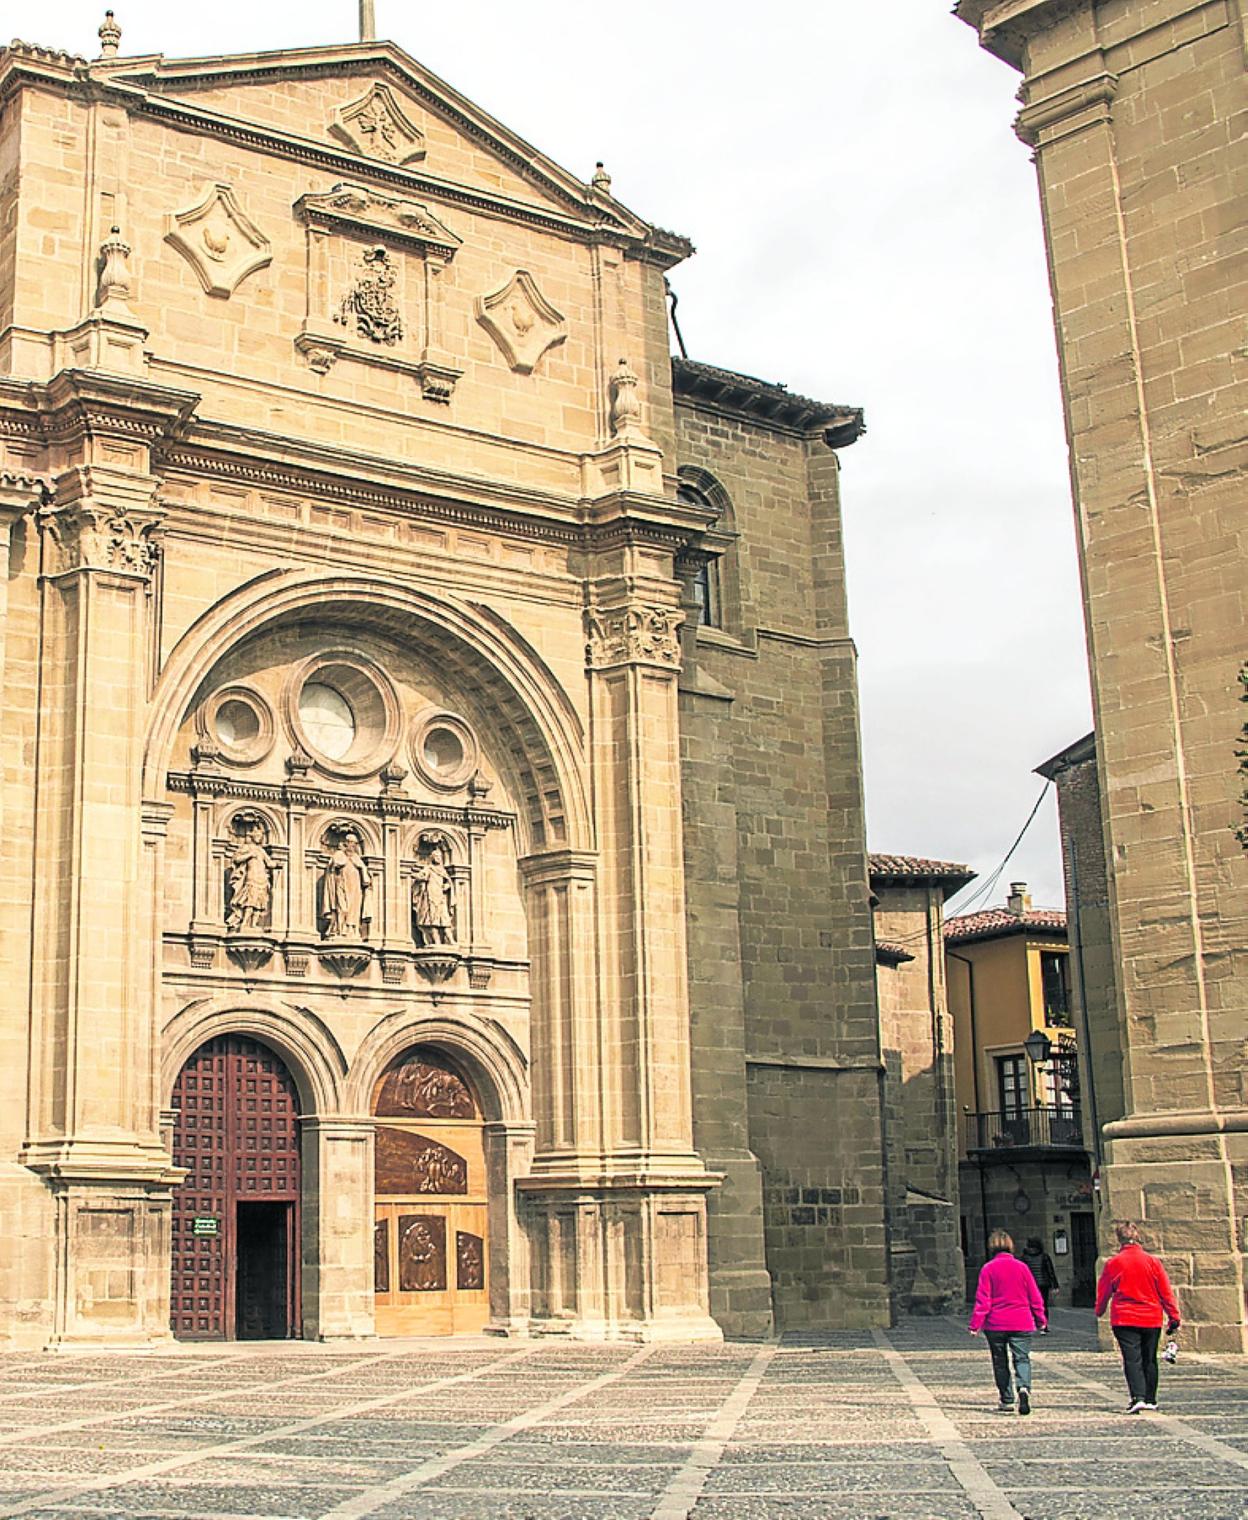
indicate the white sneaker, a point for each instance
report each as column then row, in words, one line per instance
column 1136, row 1406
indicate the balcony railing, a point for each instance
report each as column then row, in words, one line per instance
column 1045, row 1128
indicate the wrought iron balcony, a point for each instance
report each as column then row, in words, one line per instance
column 1045, row 1128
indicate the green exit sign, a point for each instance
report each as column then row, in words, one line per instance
column 205, row 1224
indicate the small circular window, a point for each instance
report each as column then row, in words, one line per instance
column 344, row 713
column 240, row 722
column 327, row 719
column 444, row 750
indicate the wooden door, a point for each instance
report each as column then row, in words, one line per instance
column 430, row 1263
column 237, row 1133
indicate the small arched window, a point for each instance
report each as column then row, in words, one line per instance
column 713, row 585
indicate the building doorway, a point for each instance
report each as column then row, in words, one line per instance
column 1082, row 1260
column 430, row 1267
column 236, row 1217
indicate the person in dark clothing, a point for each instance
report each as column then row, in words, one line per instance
column 1042, row 1268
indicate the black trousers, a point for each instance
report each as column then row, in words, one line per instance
column 1139, row 1359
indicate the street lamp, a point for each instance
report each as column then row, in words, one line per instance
column 1038, row 1047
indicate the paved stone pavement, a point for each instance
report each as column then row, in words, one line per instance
column 896, row 1426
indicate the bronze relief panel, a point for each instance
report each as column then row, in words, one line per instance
column 408, row 1163
column 469, row 1260
column 419, row 1086
column 422, row 1253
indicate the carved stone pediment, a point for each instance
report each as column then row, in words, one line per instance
column 376, row 126
column 356, row 208
column 221, row 244
column 521, row 321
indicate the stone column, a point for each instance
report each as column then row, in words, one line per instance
column 94, row 1122
column 508, row 1156
column 337, row 1246
column 615, row 1175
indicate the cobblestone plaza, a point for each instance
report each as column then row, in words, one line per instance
column 896, row 1424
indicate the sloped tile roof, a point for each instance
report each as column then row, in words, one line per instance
column 994, row 922
column 889, row 953
column 918, row 870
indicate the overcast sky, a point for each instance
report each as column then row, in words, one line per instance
column 868, row 232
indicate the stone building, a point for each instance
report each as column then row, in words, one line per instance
column 363, row 973
column 916, row 1032
column 1133, row 110
column 1023, row 1165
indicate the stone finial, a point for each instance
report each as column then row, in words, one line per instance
column 625, row 402
column 114, row 286
column 110, row 36
column 601, row 180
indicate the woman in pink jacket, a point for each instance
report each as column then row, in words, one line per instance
column 1008, row 1308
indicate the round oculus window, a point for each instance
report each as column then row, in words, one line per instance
column 238, row 724
column 444, row 749
column 328, row 719
column 343, row 710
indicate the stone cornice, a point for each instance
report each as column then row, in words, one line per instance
column 214, row 783
column 1004, row 26
column 273, row 462
column 79, row 404
column 1078, row 106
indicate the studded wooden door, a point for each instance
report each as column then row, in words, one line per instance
column 236, row 1217
column 429, row 1241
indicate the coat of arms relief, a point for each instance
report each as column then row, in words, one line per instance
column 371, row 306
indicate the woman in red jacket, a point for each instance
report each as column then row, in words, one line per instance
column 1008, row 1308
column 1140, row 1290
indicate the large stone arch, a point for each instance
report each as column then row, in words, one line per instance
column 311, row 1053
column 528, row 709
column 494, row 1059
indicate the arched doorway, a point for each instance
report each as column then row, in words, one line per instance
column 430, row 1260
column 236, row 1217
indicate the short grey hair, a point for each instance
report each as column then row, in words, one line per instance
column 1128, row 1232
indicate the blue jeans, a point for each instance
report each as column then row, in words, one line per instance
column 1005, row 1344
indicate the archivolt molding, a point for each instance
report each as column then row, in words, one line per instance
column 493, row 1058
column 306, row 1044
column 527, row 707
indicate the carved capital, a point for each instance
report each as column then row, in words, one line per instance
column 19, row 494
column 102, row 519
column 1080, row 105
column 636, row 634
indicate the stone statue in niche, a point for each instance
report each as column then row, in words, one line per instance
column 346, row 909
column 249, row 884
column 371, row 301
column 433, row 895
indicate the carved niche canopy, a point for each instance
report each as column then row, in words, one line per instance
column 420, row 1086
column 376, row 126
column 407, row 1164
column 521, row 321
column 376, row 266
column 220, row 243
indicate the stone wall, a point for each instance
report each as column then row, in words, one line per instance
column 777, row 887
column 1132, row 110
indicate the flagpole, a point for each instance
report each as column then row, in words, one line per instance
column 368, row 21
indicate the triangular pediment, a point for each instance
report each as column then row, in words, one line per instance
column 377, row 105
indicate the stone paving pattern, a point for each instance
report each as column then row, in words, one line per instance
column 874, row 1426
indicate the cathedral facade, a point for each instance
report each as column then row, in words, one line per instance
column 432, row 881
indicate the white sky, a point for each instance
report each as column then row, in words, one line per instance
column 869, row 233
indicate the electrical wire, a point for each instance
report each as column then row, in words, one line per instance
column 984, row 888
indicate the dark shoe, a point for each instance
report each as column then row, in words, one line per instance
column 1004, row 1408
column 1024, row 1401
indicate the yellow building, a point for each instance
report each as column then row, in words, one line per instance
column 1023, row 1166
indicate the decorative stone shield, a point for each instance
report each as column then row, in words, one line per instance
column 377, row 126
column 521, row 321
column 220, row 243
